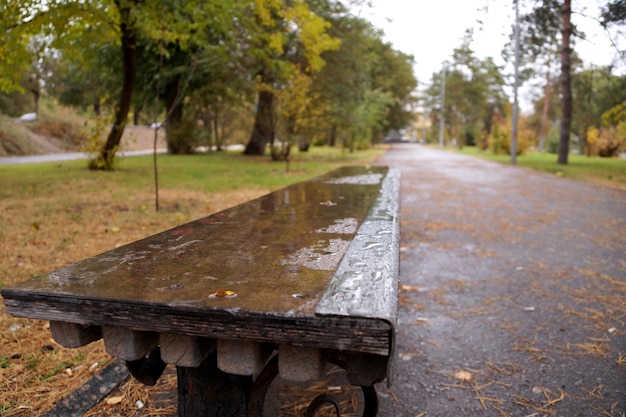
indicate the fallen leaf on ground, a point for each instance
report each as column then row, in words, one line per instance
column 463, row 376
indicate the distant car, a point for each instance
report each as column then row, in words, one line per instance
column 395, row 140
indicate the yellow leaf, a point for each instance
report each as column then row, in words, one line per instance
column 223, row 294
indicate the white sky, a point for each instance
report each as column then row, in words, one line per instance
column 430, row 29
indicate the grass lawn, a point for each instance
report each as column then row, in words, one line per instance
column 605, row 171
column 53, row 214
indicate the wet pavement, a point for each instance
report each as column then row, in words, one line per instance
column 513, row 291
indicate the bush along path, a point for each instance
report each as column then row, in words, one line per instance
column 513, row 292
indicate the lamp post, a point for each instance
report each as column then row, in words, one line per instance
column 516, row 82
column 442, row 102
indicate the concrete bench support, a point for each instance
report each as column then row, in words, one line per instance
column 182, row 350
column 72, row 335
column 240, row 357
column 129, row 345
column 301, row 364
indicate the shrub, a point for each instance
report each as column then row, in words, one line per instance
column 606, row 142
column 500, row 139
column 552, row 140
column 610, row 140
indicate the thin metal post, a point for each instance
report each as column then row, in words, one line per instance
column 515, row 87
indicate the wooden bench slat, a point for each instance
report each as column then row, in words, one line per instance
column 277, row 253
column 365, row 283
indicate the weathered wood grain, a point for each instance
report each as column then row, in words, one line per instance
column 341, row 333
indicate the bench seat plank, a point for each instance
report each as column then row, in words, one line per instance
column 278, row 256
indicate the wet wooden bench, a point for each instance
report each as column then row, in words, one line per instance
column 280, row 284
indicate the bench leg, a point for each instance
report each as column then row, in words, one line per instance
column 206, row 391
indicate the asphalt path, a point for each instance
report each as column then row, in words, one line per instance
column 67, row 156
column 513, row 291
column 70, row 156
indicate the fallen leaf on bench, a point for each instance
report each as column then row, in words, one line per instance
column 223, row 294
column 328, row 203
column 115, row 400
column 182, row 232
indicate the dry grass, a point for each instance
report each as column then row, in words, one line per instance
column 43, row 233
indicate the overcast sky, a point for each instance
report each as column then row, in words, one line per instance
column 430, row 30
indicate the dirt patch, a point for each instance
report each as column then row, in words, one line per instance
column 141, row 138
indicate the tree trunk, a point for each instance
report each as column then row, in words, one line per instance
column 216, row 128
column 332, row 136
column 263, row 130
column 566, row 87
column 136, row 114
column 129, row 55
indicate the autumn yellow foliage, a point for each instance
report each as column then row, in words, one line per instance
column 500, row 137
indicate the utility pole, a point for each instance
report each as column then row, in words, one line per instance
column 516, row 82
column 442, row 101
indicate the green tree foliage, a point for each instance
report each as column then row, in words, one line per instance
column 289, row 41
column 474, row 96
column 364, row 77
column 313, row 67
column 392, row 74
column 15, row 58
column 596, row 91
column 614, row 12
